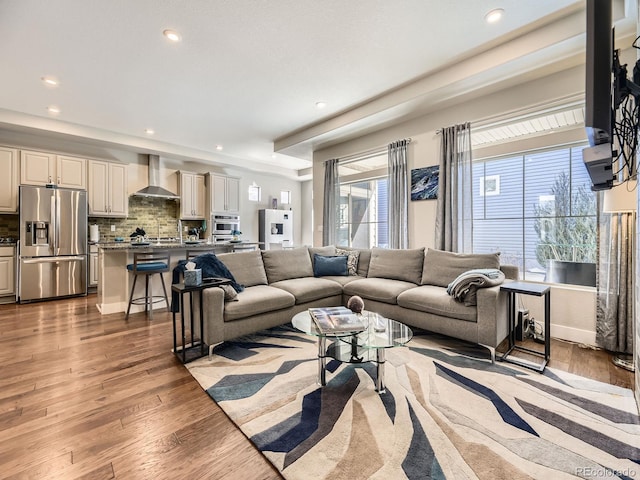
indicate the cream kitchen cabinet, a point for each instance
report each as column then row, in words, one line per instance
column 9, row 180
column 107, row 189
column 7, row 271
column 192, row 196
column 224, row 193
column 42, row 168
column 93, row 265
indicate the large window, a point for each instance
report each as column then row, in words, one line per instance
column 538, row 210
column 363, row 202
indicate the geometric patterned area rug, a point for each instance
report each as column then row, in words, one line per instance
column 447, row 413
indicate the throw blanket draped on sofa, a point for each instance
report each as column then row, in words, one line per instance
column 211, row 267
column 465, row 286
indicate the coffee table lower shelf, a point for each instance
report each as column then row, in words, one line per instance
column 347, row 350
column 368, row 345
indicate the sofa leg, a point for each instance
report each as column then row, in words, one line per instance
column 211, row 347
column 492, row 351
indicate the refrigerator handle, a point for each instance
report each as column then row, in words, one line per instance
column 32, row 261
column 57, row 227
column 53, row 227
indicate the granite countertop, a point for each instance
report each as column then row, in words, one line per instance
column 169, row 245
column 155, row 245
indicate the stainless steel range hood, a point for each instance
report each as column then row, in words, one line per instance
column 154, row 189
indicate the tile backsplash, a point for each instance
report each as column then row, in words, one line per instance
column 150, row 214
column 9, row 226
column 153, row 215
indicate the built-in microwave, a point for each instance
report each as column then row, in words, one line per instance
column 224, row 224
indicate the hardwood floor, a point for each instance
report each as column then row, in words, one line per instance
column 584, row 361
column 84, row 395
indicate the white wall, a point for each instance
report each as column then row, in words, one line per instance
column 271, row 186
column 306, row 220
column 425, row 144
column 573, row 309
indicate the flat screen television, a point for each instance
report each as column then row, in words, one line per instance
column 598, row 157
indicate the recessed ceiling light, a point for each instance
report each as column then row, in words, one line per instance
column 50, row 81
column 218, row 147
column 274, row 156
column 149, row 131
column 53, row 109
column 320, row 105
column 494, row 15
column 172, row 35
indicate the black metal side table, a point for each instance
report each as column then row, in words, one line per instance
column 538, row 290
column 196, row 348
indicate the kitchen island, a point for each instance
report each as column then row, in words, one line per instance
column 114, row 280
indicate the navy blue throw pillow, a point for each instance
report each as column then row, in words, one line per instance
column 325, row 265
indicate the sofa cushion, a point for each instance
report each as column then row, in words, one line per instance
column 405, row 265
column 256, row 300
column 285, row 264
column 343, row 280
column 324, row 265
column 328, row 250
column 380, row 289
column 436, row 300
column 352, row 259
column 441, row 268
column 309, row 289
column 247, row 267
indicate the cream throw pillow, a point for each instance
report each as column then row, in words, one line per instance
column 352, row 259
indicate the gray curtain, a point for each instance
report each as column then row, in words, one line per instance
column 330, row 213
column 614, row 310
column 398, row 201
column 454, row 207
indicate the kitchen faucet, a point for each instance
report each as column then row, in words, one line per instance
column 180, row 230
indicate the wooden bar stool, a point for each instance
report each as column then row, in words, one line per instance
column 147, row 264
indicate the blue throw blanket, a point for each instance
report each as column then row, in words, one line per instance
column 211, row 266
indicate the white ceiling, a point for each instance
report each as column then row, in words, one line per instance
column 247, row 73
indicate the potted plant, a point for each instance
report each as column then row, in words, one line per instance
column 236, row 235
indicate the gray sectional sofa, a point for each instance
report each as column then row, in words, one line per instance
column 406, row 285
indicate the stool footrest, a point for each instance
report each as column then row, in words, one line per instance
column 144, row 300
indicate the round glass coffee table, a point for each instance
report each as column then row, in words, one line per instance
column 368, row 345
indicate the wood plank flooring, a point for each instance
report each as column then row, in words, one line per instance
column 84, row 395
column 90, row 396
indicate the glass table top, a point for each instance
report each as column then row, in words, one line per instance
column 379, row 332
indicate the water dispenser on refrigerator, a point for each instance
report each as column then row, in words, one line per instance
column 37, row 233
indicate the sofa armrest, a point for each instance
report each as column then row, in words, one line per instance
column 213, row 304
column 510, row 271
column 492, row 316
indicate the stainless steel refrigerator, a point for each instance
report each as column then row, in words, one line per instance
column 53, row 243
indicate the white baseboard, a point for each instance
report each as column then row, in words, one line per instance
column 577, row 335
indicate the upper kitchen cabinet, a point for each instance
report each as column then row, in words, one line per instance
column 71, row 172
column 224, row 193
column 41, row 168
column 192, row 196
column 107, row 189
column 9, row 180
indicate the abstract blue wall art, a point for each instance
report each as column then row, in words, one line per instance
column 424, row 183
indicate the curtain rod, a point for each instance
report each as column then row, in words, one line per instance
column 366, row 154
